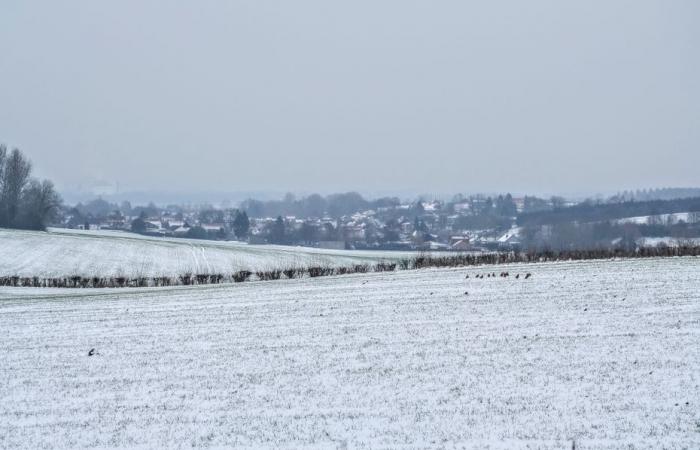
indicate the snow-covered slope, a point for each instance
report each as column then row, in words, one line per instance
column 688, row 217
column 603, row 353
column 63, row 252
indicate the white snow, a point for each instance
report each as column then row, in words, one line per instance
column 688, row 217
column 666, row 240
column 603, row 353
column 514, row 232
column 62, row 252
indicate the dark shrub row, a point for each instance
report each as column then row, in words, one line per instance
column 80, row 282
column 110, row 282
column 269, row 275
column 241, row 276
column 357, row 268
column 385, row 267
column 294, row 272
column 320, row 271
column 424, row 260
column 418, row 262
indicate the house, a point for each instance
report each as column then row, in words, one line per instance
column 511, row 237
column 115, row 221
column 461, row 245
column 90, row 226
column 153, row 224
column 431, row 207
column 462, row 207
column 437, row 246
column 174, row 223
column 212, row 227
column 181, row 231
column 459, row 238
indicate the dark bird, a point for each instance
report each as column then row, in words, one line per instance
column 466, row 293
column 91, row 352
column 517, row 276
column 528, row 275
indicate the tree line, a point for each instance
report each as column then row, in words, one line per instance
column 654, row 194
column 591, row 211
column 315, row 205
column 25, row 202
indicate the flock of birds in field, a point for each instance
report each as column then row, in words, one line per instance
column 525, row 276
column 502, row 275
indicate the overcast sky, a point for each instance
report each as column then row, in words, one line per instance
column 536, row 96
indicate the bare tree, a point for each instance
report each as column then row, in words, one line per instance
column 40, row 203
column 24, row 202
column 16, row 173
column 3, row 158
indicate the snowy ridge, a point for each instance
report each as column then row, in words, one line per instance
column 62, row 252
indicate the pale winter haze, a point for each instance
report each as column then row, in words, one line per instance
column 454, row 96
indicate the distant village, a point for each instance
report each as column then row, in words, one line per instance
column 385, row 225
column 348, row 221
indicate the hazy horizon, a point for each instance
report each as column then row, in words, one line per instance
column 446, row 97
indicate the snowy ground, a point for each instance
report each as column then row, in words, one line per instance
column 667, row 240
column 603, row 353
column 688, row 217
column 106, row 254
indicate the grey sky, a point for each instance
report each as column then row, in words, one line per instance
column 537, row 96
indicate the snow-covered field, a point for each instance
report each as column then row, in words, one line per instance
column 62, row 252
column 603, row 353
column 666, row 240
column 687, row 217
